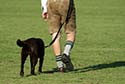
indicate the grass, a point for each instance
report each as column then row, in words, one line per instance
column 98, row 54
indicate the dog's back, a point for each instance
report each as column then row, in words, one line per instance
column 32, row 45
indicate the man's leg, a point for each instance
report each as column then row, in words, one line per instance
column 54, row 22
column 70, row 29
column 57, row 52
column 69, row 43
column 56, row 44
column 66, row 54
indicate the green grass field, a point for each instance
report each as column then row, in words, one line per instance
column 98, row 54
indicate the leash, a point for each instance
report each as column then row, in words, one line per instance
column 67, row 18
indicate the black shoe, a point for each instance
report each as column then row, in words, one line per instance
column 67, row 61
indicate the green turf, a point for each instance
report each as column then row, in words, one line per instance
column 98, row 54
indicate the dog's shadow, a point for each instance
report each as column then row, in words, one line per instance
column 101, row 66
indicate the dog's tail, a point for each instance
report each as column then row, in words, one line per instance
column 20, row 43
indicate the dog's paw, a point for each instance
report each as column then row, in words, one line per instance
column 39, row 72
column 21, row 74
column 33, row 74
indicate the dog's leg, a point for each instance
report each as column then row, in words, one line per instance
column 40, row 65
column 23, row 58
column 33, row 61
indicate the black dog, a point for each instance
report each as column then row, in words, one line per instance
column 34, row 47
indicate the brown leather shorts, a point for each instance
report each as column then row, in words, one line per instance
column 57, row 13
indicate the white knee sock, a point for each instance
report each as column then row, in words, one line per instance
column 68, row 47
column 44, row 5
column 59, row 61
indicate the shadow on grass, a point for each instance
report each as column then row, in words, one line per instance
column 45, row 72
column 101, row 66
column 92, row 68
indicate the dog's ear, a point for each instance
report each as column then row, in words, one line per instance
column 20, row 43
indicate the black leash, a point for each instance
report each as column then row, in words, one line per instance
column 67, row 18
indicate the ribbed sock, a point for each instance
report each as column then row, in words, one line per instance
column 68, row 47
column 59, row 61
